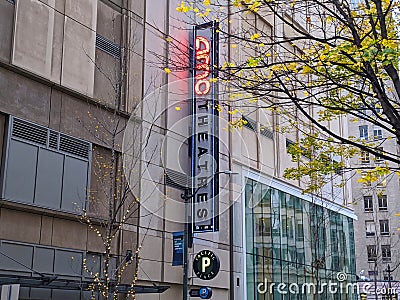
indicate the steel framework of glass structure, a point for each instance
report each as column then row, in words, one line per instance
column 291, row 241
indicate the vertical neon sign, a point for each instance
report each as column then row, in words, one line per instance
column 204, row 142
column 202, row 56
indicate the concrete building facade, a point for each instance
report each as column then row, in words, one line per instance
column 69, row 71
column 376, row 206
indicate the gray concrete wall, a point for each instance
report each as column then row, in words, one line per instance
column 6, row 29
column 57, row 41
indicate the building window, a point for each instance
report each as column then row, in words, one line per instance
column 377, row 158
column 299, row 231
column 382, row 202
column 284, row 228
column 24, row 258
column 384, row 227
column 363, row 132
column 369, row 228
column 264, row 227
column 386, row 254
column 371, row 252
column 368, row 204
column 364, row 157
column 290, row 228
column 46, row 259
column 263, row 255
column 54, row 167
column 377, row 133
column 387, row 297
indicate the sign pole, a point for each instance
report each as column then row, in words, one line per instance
column 186, row 235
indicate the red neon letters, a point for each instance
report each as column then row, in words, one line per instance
column 202, row 86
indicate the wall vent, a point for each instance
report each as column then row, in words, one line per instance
column 74, row 146
column 53, row 140
column 267, row 133
column 251, row 124
column 108, row 46
column 176, row 179
column 29, row 132
column 45, row 137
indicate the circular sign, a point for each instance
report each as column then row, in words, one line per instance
column 206, row 265
column 205, row 292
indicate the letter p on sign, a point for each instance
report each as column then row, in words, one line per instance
column 205, row 262
column 206, row 265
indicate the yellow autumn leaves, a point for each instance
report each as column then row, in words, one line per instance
column 377, row 174
column 184, row 7
column 254, row 36
column 252, row 5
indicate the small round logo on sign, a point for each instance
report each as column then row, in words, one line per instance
column 206, row 265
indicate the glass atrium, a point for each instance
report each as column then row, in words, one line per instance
column 296, row 249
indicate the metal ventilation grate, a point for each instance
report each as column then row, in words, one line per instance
column 176, row 179
column 29, row 132
column 251, row 124
column 108, row 46
column 267, row 133
column 48, row 138
column 74, row 146
column 53, row 140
